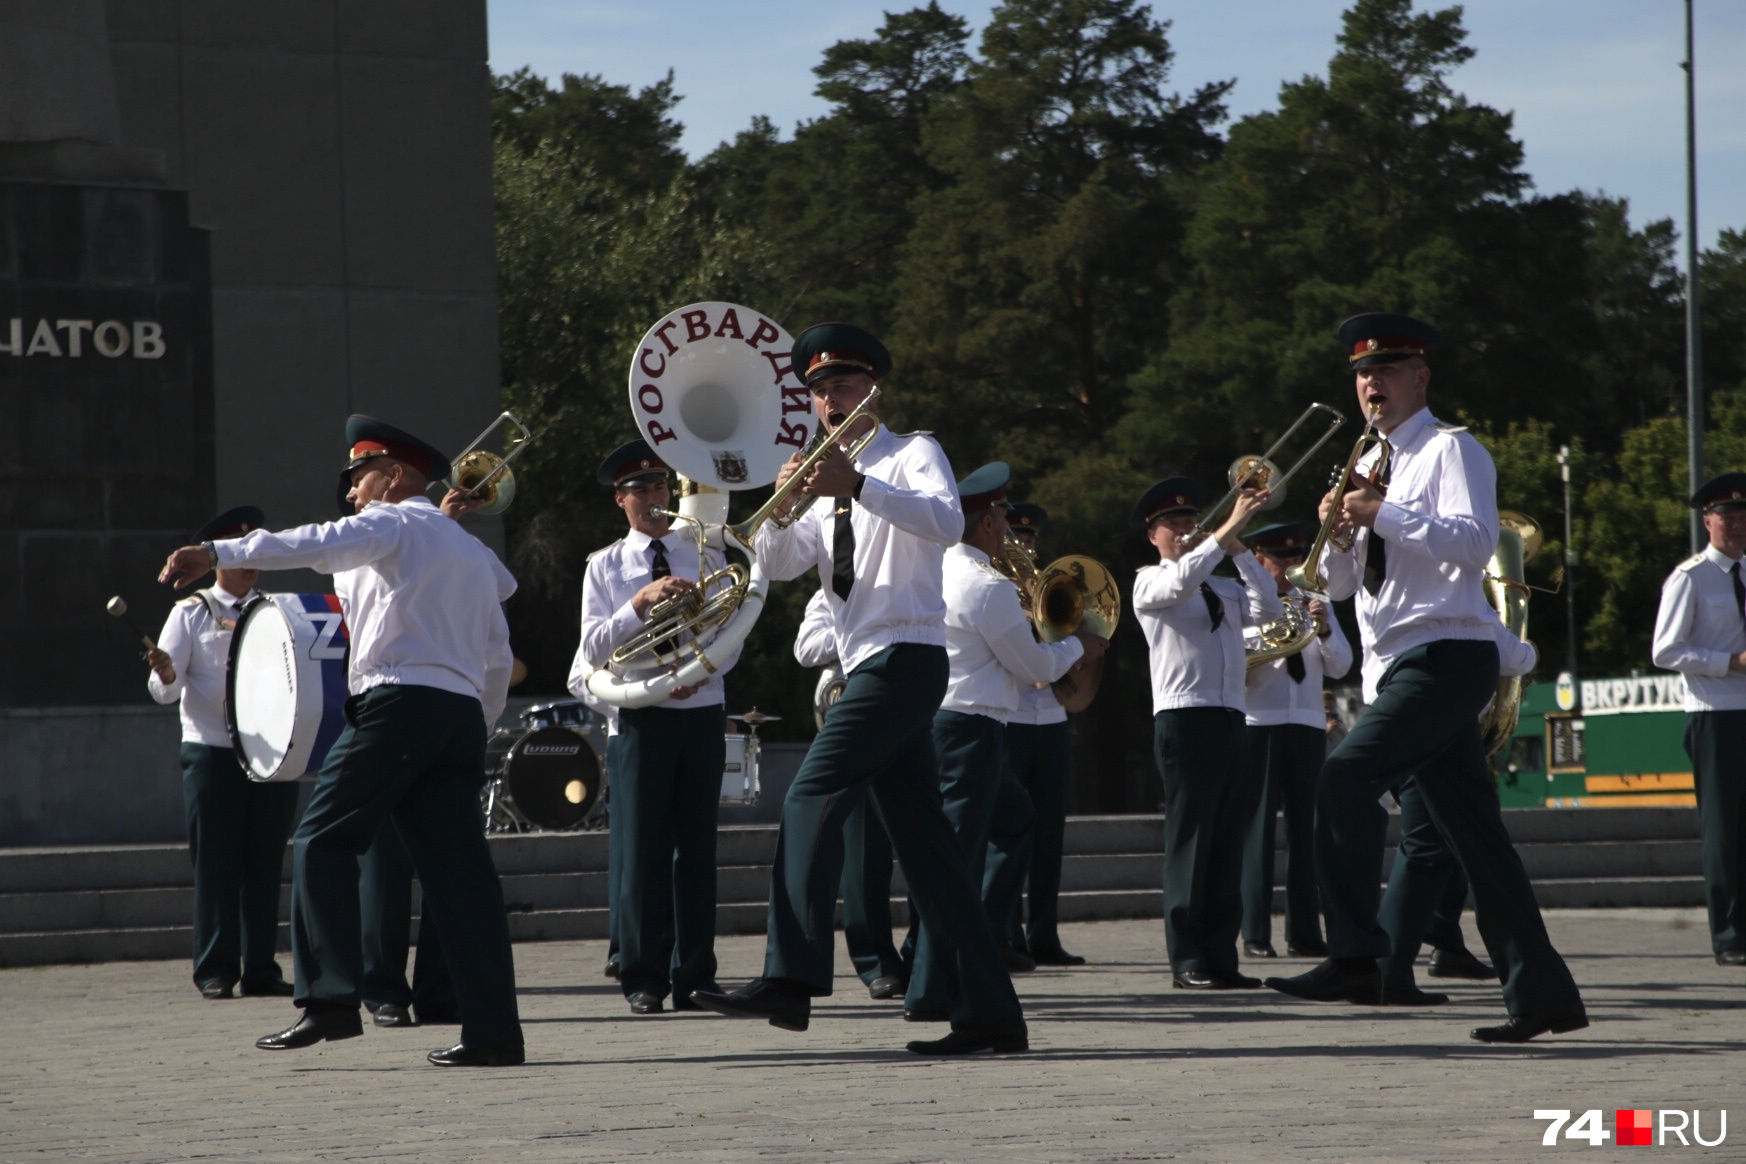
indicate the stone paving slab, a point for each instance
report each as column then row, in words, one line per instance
column 124, row 1062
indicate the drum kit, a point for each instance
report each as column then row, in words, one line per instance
column 548, row 774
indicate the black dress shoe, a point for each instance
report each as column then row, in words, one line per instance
column 1307, row 949
column 682, row 999
column 1235, row 981
column 923, row 1015
column 1057, row 957
column 642, row 1002
column 1259, row 950
column 1195, row 980
column 1522, row 1027
column 1017, row 961
column 391, row 1014
column 1731, row 958
column 315, row 1026
column 785, row 1006
column 612, row 967
column 887, row 986
column 1329, row 983
column 461, row 1055
column 214, row 989
column 277, row 988
column 970, row 1042
column 1412, row 996
column 1460, row 964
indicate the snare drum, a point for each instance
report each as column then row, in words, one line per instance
column 562, row 713
column 286, row 692
column 739, row 775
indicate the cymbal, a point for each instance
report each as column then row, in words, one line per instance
column 755, row 718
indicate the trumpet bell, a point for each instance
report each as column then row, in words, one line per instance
column 475, row 467
column 1075, row 591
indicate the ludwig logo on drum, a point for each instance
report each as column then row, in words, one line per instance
column 551, row 749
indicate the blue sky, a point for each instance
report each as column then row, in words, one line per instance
column 1594, row 84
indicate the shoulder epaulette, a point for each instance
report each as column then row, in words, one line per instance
column 927, row 432
column 192, row 600
column 1445, row 426
column 1690, row 563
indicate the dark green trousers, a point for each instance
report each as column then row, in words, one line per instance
column 669, row 765
column 415, row 755
column 236, row 841
column 614, row 859
column 867, row 864
column 1425, row 724
column 972, row 757
column 1207, row 806
column 1027, row 848
column 1716, row 743
column 1426, row 892
column 879, row 737
column 385, row 905
column 1283, row 761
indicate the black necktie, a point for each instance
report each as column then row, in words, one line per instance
column 1294, row 667
column 660, row 568
column 843, row 549
column 1739, row 590
column 1376, row 554
column 1215, row 605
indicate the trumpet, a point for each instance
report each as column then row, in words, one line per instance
column 817, row 449
column 1307, row 575
column 486, row 475
column 1262, row 472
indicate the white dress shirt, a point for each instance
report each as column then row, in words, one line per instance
column 423, row 598
column 905, row 520
column 1274, row 697
column 1193, row 665
column 614, row 576
column 991, row 653
column 1038, row 705
column 1440, row 522
column 199, row 650
column 1700, row 627
column 816, row 643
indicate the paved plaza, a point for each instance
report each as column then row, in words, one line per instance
column 125, row 1062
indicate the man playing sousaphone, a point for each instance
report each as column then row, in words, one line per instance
column 879, row 550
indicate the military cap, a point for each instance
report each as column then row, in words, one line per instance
column 232, row 523
column 985, row 488
column 1169, row 497
column 630, row 464
column 1722, row 494
column 1027, row 515
column 1382, row 337
column 368, row 438
column 829, row 349
column 1286, row 536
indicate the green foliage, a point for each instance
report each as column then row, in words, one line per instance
column 1079, row 275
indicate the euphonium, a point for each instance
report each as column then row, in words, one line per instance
column 1308, row 575
column 1068, row 593
column 1289, row 634
column 1518, row 539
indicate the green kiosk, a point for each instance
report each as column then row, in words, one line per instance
column 1599, row 743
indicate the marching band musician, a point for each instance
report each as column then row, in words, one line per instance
column 666, row 760
column 879, row 549
column 992, row 654
column 1193, row 624
column 867, row 858
column 1416, row 569
column 236, row 828
column 429, row 669
column 1024, row 866
column 1700, row 631
column 1287, row 740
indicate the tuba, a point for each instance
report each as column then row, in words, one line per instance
column 1068, row 593
column 1289, row 634
column 714, row 393
column 1519, row 538
column 487, row 475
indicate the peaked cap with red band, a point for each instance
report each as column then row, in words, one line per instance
column 1381, row 337
column 629, row 464
column 1027, row 515
column 368, row 438
column 232, row 523
column 984, row 488
column 828, row 349
column 1169, row 497
column 1722, row 494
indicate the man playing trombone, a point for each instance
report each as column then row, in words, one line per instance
column 1416, row 566
column 879, row 549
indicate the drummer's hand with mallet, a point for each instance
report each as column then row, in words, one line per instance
column 188, row 565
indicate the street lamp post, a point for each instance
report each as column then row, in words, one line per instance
column 1569, row 566
column 1694, row 368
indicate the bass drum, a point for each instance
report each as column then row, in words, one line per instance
column 285, row 695
column 551, row 778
